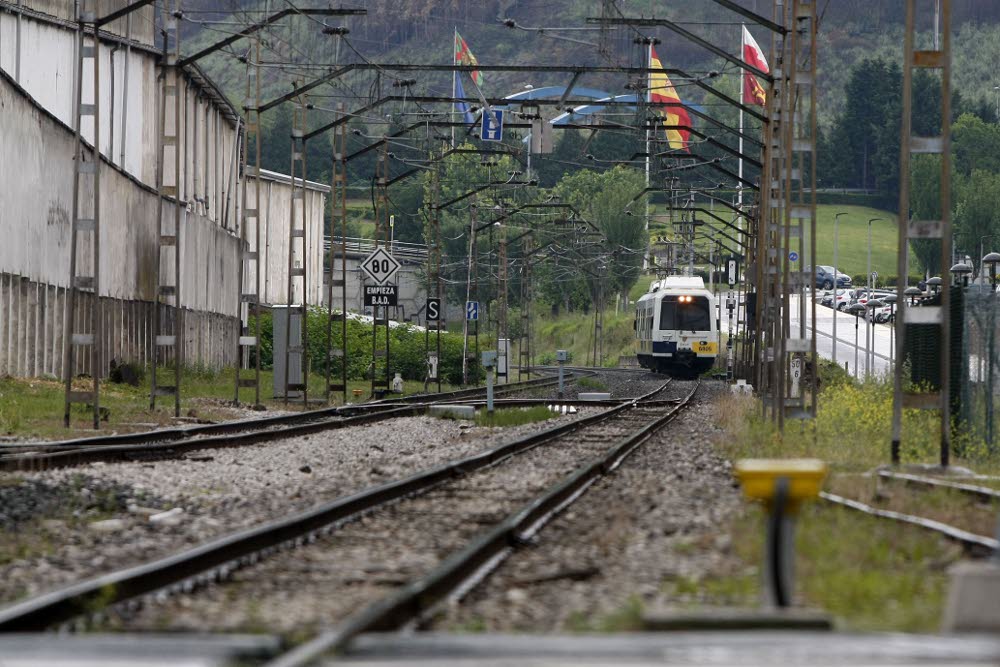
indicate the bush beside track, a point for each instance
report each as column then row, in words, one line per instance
column 407, row 348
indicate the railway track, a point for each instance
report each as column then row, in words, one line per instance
column 463, row 569
column 973, row 543
column 176, row 442
column 217, row 560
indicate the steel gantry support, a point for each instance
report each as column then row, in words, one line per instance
column 433, row 353
column 338, row 274
column 501, row 319
column 524, row 342
column 471, row 327
column 248, row 294
column 771, row 303
column 785, row 366
column 298, row 269
column 169, row 333
column 934, row 315
column 797, row 345
column 85, row 275
column 381, row 382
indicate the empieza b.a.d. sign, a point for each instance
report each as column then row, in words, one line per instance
column 380, row 295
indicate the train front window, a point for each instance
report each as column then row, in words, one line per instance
column 693, row 315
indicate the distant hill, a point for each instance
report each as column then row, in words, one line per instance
column 422, row 32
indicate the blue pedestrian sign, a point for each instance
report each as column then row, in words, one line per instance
column 492, row 131
column 793, row 256
column 472, row 310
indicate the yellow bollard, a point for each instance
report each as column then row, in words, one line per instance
column 783, row 485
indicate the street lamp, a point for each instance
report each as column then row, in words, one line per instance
column 856, row 309
column 914, row 292
column 891, row 300
column 836, row 281
column 870, row 281
column 871, row 305
column 981, row 239
column 961, row 272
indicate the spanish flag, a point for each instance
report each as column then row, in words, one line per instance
column 675, row 116
column 753, row 92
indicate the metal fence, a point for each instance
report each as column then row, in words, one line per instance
column 977, row 367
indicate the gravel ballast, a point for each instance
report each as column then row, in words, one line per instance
column 662, row 516
column 321, row 584
column 57, row 522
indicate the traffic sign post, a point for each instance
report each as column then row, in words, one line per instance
column 793, row 256
column 472, row 311
column 492, row 131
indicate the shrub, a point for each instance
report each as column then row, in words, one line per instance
column 407, row 348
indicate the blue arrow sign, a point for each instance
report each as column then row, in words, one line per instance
column 492, row 131
column 472, row 310
column 793, row 256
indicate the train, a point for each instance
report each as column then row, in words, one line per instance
column 675, row 327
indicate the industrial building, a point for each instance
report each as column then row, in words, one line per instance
column 38, row 85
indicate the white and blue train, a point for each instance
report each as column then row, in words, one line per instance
column 675, row 327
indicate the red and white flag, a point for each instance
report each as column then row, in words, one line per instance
column 753, row 92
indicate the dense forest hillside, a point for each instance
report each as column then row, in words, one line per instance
column 422, row 32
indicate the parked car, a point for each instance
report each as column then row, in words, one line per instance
column 840, row 295
column 827, row 275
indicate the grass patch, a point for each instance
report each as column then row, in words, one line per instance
column 948, row 506
column 33, row 407
column 626, row 619
column 852, row 430
column 575, row 332
column 873, row 575
column 513, row 416
column 591, row 384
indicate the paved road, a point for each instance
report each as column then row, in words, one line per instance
column 882, row 347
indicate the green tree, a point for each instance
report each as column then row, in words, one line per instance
column 978, row 200
column 606, row 199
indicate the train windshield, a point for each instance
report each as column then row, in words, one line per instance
column 693, row 315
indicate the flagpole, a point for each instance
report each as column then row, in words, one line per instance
column 454, row 78
column 649, row 99
column 739, row 187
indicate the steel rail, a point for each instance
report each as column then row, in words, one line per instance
column 472, row 564
column 247, row 432
column 214, row 560
column 972, row 542
column 984, row 493
column 241, row 425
